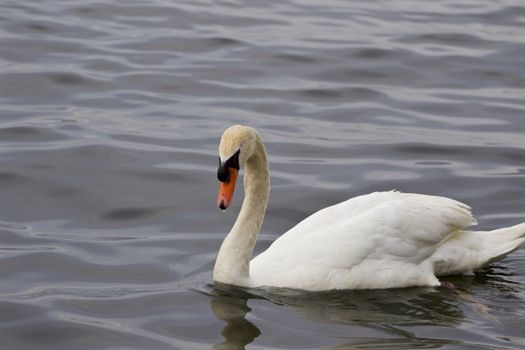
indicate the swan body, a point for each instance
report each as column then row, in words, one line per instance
column 378, row 240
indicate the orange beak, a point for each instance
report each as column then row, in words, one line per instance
column 224, row 198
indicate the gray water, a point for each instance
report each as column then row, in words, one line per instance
column 110, row 116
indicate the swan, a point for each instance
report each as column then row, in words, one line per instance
column 374, row 241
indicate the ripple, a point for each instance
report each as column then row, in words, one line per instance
column 373, row 53
column 351, row 93
column 187, row 45
column 125, row 214
column 377, row 74
column 456, row 39
column 56, row 266
column 296, row 58
column 45, row 85
column 71, row 333
column 29, row 134
column 10, row 179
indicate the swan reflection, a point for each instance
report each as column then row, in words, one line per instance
column 232, row 309
column 388, row 317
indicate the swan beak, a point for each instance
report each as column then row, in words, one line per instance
column 226, row 188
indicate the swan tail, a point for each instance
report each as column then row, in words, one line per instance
column 466, row 251
column 500, row 242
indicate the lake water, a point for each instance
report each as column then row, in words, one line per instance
column 110, row 116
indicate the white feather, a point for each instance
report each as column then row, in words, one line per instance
column 380, row 240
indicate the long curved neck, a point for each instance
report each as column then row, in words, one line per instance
column 233, row 262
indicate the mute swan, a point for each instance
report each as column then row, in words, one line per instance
column 378, row 240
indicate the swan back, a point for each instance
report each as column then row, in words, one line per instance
column 380, row 240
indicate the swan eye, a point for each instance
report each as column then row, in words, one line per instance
column 233, row 162
column 223, row 174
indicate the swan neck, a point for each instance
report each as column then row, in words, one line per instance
column 233, row 262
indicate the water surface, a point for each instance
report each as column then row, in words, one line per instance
column 110, row 115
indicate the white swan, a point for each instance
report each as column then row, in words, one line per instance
column 379, row 240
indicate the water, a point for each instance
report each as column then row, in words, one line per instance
column 110, row 115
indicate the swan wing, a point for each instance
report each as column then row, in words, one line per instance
column 380, row 240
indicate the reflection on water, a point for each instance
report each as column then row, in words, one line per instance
column 393, row 314
column 238, row 332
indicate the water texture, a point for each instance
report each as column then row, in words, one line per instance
column 110, row 115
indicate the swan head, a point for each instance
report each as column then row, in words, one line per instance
column 236, row 147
